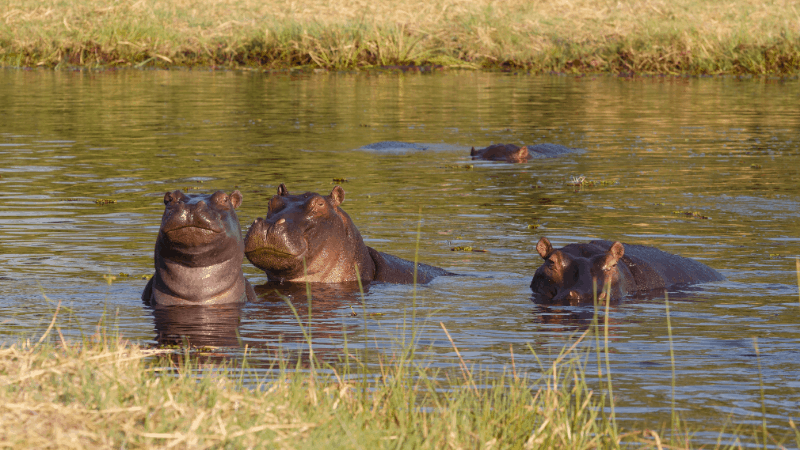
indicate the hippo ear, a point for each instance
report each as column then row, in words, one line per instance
column 616, row 251
column 282, row 191
column 472, row 152
column 236, row 198
column 544, row 248
column 337, row 195
column 170, row 197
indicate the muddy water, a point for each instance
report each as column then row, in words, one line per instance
column 706, row 168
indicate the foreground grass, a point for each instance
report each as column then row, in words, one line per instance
column 628, row 36
column 108, row 393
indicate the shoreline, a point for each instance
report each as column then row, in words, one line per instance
column 579, row 37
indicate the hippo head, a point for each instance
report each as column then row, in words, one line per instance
column 572, row 277
column 502, row 152
column 305, row 237
column 200, row 230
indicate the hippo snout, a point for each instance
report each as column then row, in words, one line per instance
column 583, row 296
column 267, row 239
column 200, row 216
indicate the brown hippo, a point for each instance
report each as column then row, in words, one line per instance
column 309, row 238
column 199, row 252
column 568, row 273
column 501, row 152
column 513, row 154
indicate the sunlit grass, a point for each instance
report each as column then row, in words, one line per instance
column 655, row 36
column 105, row 392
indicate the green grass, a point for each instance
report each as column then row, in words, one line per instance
column 611, row 36
column 104, row 392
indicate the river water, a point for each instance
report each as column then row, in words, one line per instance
column 705, row 168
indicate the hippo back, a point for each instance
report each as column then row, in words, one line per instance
column 391, row 269
column 547, row 150
column 655, row 269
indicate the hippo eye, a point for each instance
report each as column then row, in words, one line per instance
column 317, row 203
column 220, row 198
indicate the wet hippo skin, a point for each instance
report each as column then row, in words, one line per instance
column 513, row 154
column 501, row 152
column 309, row 238
column 568, row 273
column 199, row 252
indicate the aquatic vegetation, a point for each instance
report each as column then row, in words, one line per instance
column 467, row 248
column 582, row 181
column 105, row 201
column 459, row 166
column 576, row 181
column 693, row 214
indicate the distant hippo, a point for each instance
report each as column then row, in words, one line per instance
column 567, row 274
column 199, row 252
column 501, row 152
column 309, row 238
column 513, row 154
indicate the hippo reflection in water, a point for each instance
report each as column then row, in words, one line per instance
column 309, row 238
column 513, row 154
column 569, row 273
column 199, row 252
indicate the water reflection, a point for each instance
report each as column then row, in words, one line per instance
column 199, row 326
column 278, row 316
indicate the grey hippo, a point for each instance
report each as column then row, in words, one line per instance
column 199, row 252
column 514, row 154
column 569, row 274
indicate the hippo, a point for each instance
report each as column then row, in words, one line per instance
column 501, row 152
column 309, row 238
column 513, row 154
column 199, row 252
column 568, row 273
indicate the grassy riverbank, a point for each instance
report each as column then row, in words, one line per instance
column 108, row 393
column 105, row 393
column 645, row 36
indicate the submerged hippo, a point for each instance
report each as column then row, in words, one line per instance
column 199, row 252
column 568, row 273
column 513, row 154
column 309, row 238
column 501, row 152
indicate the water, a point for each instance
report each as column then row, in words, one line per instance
column 725, row 149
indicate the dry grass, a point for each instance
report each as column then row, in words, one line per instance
column 736, row 36
column 105, row 393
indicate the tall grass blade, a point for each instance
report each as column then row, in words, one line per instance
column 675, row 421
column 761, row 390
